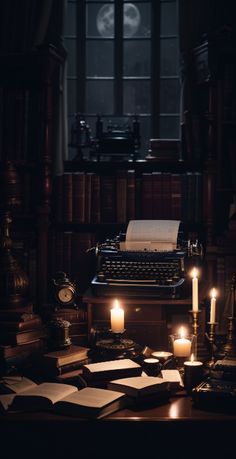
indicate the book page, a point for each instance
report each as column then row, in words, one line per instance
column 5, row 401
column 151, row 235
column 140, row 382
column 16, row 384
column 51, row 391
column 92, row 397
column 112, row 365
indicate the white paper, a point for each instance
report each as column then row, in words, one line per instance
column 151, row 235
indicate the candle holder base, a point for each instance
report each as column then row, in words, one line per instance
column 209, row 364
column 115, row 347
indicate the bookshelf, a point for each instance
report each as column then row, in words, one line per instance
column 29, row 87
column 113, row 193
column 213, row 107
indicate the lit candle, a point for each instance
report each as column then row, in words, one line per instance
column 194, row 290
column 182, row 345
column 193, row 373
column 213, row 306
column 117, row 318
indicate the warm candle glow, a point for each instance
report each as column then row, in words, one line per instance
column 182, row 332
column 194, row 289
column 213, row 306
column 117, row 318
column 192, row 358
column 182, row 345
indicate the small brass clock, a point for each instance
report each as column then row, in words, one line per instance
column 64, row 290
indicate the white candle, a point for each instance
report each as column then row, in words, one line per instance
column 182, row 345
column 213, row 306
column 117, row 318
column 194, row 290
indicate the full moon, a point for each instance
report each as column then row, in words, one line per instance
column 105, row 20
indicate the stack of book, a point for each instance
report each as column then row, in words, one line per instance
column 62, row 364
column 22, row 337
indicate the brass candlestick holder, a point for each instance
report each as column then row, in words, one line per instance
column 195, row 325
column 229, row 347
column 211, row 337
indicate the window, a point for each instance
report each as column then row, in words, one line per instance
column 123, row 61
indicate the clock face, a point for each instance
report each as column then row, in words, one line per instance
column 65, row 295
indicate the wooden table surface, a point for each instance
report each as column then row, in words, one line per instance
column 130, row 432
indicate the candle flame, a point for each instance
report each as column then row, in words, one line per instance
column 213, row 293
column 194, row 273
column 116, row 304
column 192, row 358
column 182, row 332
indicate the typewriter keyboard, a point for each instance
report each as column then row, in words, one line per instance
column 122, row 271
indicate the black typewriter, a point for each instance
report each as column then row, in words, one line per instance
column 149, row 272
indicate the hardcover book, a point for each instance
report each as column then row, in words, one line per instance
column 111, row 369
column 57, row 359
column 88, row 402
column 139, row 386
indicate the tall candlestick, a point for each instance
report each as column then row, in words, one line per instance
column 117, row 318
column 194, row 290
column 213, row 306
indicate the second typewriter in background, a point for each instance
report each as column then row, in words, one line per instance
column 151, row 260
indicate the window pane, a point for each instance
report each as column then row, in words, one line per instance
column 136, row 58
column 99, row 97
column 70, row 45
column 169, row 18
column 136, row 20
column 169, row 96
column 99, row 58
column 100, row 20
column 169, row 57
column 71, row 89
column 70, row 19
column 136, row 97
column 145, row 135
column 169, row 127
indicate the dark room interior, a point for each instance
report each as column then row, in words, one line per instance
column 117, row 227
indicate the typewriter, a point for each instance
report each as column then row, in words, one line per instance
column 148, row 260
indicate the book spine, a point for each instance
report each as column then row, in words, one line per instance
column 78, row 197
column 88, row 196
column 67, row 197
column 108, row 201
column 131, row 192
column 21, row 326
column 147, row 196
column 96, row 199
column 121, row 196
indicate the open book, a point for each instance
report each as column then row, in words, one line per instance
column 139, row 386
column 12, row 385
column 66, row 399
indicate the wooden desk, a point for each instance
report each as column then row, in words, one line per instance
column 148, row 321
column 161, row 432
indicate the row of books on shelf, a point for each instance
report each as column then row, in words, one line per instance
column 88, row 197
column 124, row 385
